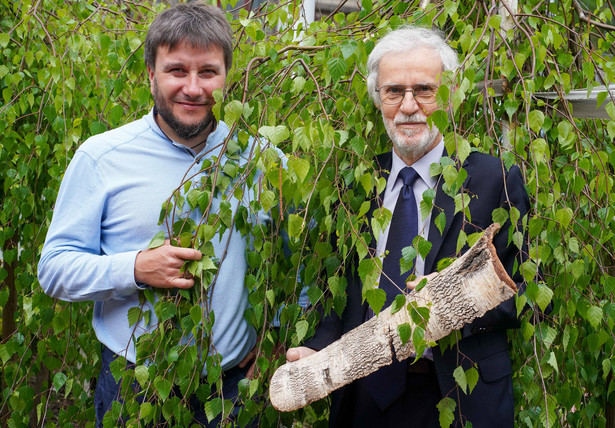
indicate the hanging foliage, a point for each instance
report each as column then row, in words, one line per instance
column 69, row 70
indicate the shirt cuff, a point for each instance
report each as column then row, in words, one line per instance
column 124, row 268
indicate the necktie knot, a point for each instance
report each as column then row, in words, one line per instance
column 408, row 176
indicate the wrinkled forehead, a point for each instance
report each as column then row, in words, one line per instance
column 420, row 65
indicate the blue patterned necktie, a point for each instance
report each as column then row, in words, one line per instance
column 388, row 383
column 402, row 231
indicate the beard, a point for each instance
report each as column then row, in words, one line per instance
column 186, row 131
column 411, row 144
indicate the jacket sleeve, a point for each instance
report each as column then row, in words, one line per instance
column 504, row 316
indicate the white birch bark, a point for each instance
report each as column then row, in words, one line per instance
column 464, row 291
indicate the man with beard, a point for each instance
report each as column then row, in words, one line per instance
column 108, row 207
column 404, row 72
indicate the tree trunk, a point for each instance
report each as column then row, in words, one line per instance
column 464, row 291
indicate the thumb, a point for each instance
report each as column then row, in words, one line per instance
column 294, row 354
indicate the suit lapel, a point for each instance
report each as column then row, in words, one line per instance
column 443, row 203
column 384, row 162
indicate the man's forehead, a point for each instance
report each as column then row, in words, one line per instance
column 419, row 59
column 188, row 45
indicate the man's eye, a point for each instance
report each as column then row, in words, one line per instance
column 394, row 90
column 424, row 90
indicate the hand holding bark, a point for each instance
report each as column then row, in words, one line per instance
column 464, row 291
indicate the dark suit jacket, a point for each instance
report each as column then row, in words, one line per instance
column 484, row 341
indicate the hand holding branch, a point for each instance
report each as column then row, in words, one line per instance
column 161, row 267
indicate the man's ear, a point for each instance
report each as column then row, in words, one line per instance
column 150, row 74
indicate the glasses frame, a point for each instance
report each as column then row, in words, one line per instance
column 407, row 88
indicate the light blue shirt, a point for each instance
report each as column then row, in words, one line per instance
column 107, row 211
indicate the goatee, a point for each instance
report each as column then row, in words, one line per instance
column 183, row 130
column 408, row 143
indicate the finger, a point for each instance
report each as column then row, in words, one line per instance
column 251, row 370
column 294, row 354
column 248, row 358
column 187, row 253
column 412, row 284
column 181, row 283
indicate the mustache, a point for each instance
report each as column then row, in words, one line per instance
column 413, row 118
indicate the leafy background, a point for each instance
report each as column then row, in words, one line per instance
column 69, row 70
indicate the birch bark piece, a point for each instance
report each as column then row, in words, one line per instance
column 468, row 288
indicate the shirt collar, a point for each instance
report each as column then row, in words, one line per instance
column 421, row 166
column 151, row 118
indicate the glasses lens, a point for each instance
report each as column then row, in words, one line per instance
column 425, row 94
column 391, row 94
column 394, row 94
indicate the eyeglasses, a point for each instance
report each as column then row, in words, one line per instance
column 394, row 94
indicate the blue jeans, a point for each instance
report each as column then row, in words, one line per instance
column 108, row 391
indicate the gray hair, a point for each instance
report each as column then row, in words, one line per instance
column 201, row 25
column 407, row 39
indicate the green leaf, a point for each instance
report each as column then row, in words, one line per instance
column 406, row 263
column 232, row 111
column 610, row 126
column 4, row 40
column 302, row 327
column 544, row 297
column 163, row 387
column 564, row 216
column 594, row 316
column 536, row 119
column 422, row 283
column 398, row 303
column 4, row 354
column 337, row 68
column 405, row 332
column 460, row 377
column 441, row 222
column 423, row 246
column 298, row 84
column 213, row 408
column 4, row 70
column 438, row 118
column 59, row 379
column 166, row 310
column 142, row 375
column 446, row 408
column 427, row 202
column 348, row 47
column 376, row 298
column 267, row 199
column 472, row 378
column 552, row 361
column 134, row 314
column 275, row 134
column 300, row 167
column 157, row 240
column 295, row 225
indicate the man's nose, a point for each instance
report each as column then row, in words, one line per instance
column 409, row 104
column 192, row 87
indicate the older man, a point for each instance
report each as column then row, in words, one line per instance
column 405, row 69
column 110, row 199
